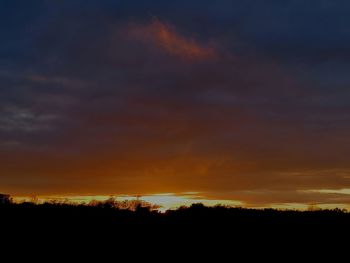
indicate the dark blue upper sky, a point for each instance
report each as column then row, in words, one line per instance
column 220, row 97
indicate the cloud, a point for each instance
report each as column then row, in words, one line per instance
column 273, row 198
column 166, row 38
column 150, row 107
column 14, row 119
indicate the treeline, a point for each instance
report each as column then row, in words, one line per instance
column 126, row 220
column 141, row 212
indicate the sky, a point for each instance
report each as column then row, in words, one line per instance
column 246, row 101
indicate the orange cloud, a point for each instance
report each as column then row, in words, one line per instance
column 166, row 38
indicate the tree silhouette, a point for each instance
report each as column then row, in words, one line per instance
column 5, row 199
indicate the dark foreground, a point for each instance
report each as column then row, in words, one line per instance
column 210, row 229
column 104, row 216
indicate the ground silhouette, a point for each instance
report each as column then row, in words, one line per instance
column 138, row 230
column 112, row 214
column 111, row 226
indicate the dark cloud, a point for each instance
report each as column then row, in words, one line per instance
column 112, row 97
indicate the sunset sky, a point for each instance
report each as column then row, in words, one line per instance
column 234, row 101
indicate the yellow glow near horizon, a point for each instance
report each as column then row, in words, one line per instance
column 165, row 200
column 168, row 201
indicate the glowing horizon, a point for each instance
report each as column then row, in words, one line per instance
column 164, row 200
column 167, row 201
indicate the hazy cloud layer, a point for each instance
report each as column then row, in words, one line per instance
column 243, row 101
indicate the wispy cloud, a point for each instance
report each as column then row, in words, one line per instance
column 16, row 119
column 165, row 37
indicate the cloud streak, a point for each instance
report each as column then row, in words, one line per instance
column 165, row 38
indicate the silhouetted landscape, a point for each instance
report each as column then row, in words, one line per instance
column 115, row 215
column 222, row 231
